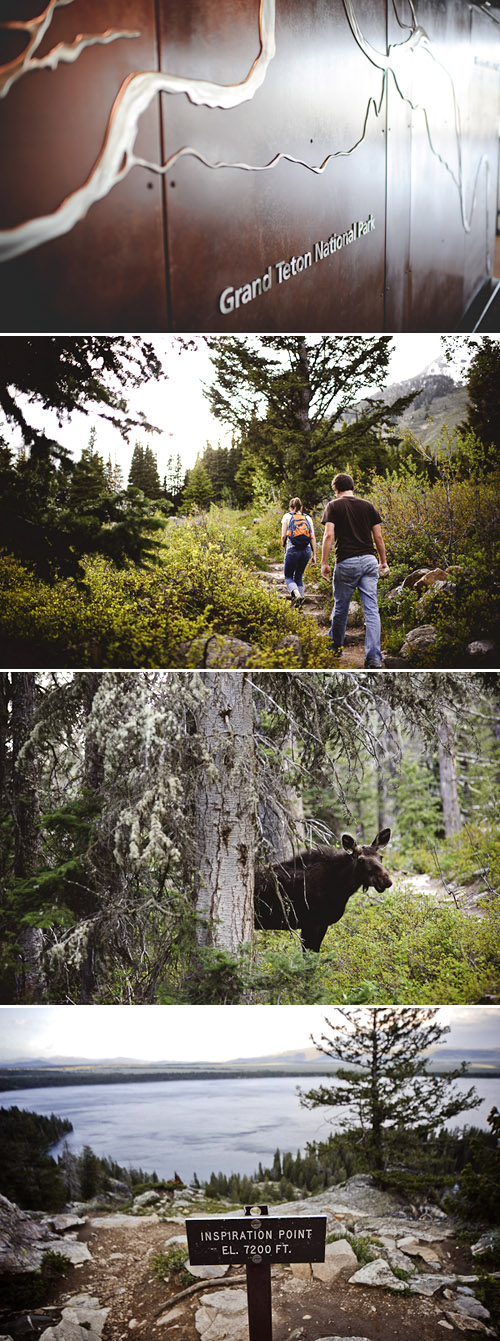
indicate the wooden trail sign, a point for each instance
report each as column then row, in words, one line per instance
column 257, row 1239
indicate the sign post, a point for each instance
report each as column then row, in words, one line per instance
column 257, row 1239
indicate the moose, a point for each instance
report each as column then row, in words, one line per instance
column 309, row 892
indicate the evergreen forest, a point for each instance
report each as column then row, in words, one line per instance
column 136, row 806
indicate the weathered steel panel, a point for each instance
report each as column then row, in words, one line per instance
column 326, row 166
column 315, row 109
column 107, row 271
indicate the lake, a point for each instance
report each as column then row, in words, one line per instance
column 201, row 1126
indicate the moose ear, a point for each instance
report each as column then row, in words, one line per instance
column 348, row 842
column 382, row 838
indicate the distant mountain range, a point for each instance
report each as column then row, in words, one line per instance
column 304, row 1061
column 441, row 400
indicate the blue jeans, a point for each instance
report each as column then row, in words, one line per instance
column 360, row 572
column 296, row 561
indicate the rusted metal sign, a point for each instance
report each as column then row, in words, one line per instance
column 229, row 1240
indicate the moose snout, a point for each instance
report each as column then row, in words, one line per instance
column 383, row 883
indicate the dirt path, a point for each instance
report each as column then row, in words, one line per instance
column 468, row 898
column 120, row 1276
column 312, row 608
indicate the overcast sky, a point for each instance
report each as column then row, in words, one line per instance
column 178, row 406
column 196, row 1033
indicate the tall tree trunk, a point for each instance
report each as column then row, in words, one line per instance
column 93, row 779
column 448, row 772
column 304, row 405
column 225, row 812
column 377, row 1131
column 5, row 692
column 27, row 838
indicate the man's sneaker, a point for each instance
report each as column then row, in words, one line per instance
column 373, row 665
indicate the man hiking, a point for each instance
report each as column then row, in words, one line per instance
column 355, row 525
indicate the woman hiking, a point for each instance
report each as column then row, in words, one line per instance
column 299, row 540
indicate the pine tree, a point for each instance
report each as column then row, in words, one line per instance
column 483, row 409
column 388, row 1087
column 114, row 476
column 198, row 488
column 143, row 472
column 286, row 396
column 88, row 480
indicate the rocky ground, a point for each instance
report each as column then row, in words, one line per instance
column 429, row 583
column 313, row 608
column 111, row 1293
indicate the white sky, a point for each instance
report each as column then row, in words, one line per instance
column 196, row 1033
column 181, row 410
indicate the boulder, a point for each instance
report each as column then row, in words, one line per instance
column 146, row 1199
column 61, row 1223
column 470, row 1308
column 216, row 652
column 411, row 579
column 429, row 579
column 75, row 1252
column 82, row 1315
column 291, row 643
column 24, row 1242
column 429, row 1285
column 223, row 1316
column 302, row 1270
column 378, row 1273
column 415, row 1248
column 207, row 1272
column 469, row 1324
column 339, row 1257
column 419, row 640
column 488, row 1243
column 482, row 647
column 441, row 588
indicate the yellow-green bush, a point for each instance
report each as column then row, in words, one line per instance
column 143, row 617
column 406, row 947
column 435, row 524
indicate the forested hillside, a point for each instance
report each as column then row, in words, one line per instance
column 136, row 806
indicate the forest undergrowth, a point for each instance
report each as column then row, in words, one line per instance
column 205, row 582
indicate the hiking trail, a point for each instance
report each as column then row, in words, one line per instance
column 353, row 655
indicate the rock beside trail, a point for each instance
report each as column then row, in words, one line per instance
column 199, row 1272
column 481, row 647
column 223, row 1316
column 339, row 1257
column 216, row 652
column 25, row 1241
column 378, row 1273
column 419, row 640
column 81, row 1316
column 147, row 1199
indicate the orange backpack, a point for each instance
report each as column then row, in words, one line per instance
column 299, row 530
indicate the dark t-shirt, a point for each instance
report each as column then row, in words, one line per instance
column 353, row 519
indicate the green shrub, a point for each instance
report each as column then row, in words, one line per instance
column 405, row 947
column 171, row 1265
column 159, row 617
